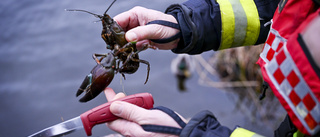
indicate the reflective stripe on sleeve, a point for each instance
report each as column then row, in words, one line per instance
column 240, row 23
column 241, row 132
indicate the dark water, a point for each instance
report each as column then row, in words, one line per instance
column 45, row 53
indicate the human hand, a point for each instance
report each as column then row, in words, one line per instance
column 134, row 116
column 134, row 22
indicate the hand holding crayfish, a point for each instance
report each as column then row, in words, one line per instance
column 134, row 23
column 141, row 24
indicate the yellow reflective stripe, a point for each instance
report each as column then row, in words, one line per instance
column 227, row 18
column 240, row 26
column 298, row 134
column 253, row 27
column 241, row 132
column 240, row 23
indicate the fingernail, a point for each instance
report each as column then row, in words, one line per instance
column 116, row 108
column 131, row 36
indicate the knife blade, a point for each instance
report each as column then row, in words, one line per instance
column 98, row 115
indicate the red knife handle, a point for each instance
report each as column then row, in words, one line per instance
column 101, row 114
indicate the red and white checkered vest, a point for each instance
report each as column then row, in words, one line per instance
column 287, row 69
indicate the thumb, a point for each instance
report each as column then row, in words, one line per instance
column 128, row 111
column 141, row 33
column 151, row 31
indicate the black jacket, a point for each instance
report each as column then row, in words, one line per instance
column 200, row 24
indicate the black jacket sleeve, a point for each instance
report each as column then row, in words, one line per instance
column 204, row 124
column 200, row 24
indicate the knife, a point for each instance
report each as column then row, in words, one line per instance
column 98, row 115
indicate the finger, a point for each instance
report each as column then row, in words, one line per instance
column 135, row 17
column 127, row 20
column 155, row 46
column 143, row 32
column 130, row 112
column 119, row 95
column 140, row 115
column 132, row 129
column 140, row 44
column 110, row 94
column 152, row 31
column 127, row 128
column 166, row 46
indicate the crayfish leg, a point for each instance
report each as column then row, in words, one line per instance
column 124, row 77
column 145, row 47
column 148, row 67
column 95, row 57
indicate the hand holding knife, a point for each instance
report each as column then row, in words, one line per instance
column 98, row 115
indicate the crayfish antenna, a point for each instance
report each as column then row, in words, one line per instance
column 96, row 15
column 109, row 6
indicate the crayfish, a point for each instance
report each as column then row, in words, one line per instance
column 108, row 64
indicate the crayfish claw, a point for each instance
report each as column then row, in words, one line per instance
column 84, row 84
column 79, row 92
column 87, row 97
column 91, row 93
